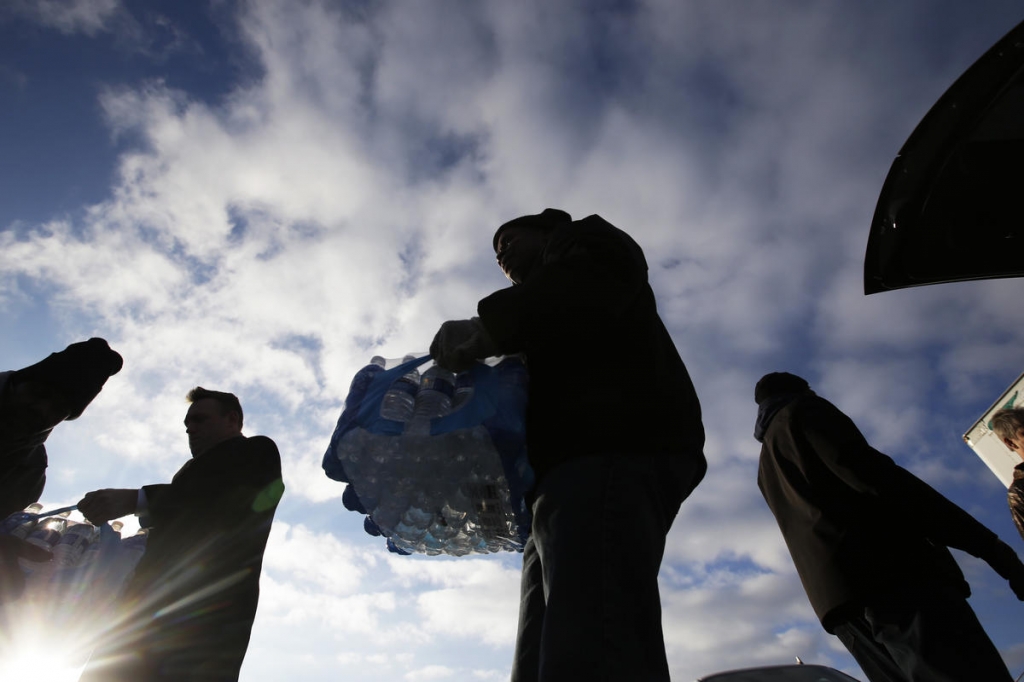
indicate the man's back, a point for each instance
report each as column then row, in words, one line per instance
column 845, row 509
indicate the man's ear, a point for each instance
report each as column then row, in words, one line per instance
column 235, row 418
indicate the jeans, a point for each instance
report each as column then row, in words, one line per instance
column 922, row 635
column 589, row 603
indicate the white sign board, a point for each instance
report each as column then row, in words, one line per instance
column 987, row 445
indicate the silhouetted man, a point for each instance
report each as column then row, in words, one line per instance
column 190, row 606
column 613, row 433
column 869, row 540
column 33, row 401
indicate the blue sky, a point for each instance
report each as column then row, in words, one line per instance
column 258, row 196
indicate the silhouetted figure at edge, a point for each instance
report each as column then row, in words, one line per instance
column 189, row 608
column 33, row 400
column 614, row 435
column 869, row 540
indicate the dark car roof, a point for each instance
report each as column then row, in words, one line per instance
column 781, row 673
column 952, row 206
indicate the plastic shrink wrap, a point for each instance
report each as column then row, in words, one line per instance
column 436, row 461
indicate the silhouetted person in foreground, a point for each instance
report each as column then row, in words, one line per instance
column 1008, row 425
column 33, row 400
column 189, row 608
column 613, row 433
column 869, row 540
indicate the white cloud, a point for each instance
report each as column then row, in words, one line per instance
column 431, row 672
column 68, row 16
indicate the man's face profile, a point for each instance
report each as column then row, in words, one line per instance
column 207, row 424
column 519, row 251
column 1016, row 443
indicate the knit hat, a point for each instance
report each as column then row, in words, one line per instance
column 547, row 220
column 78, row 372
column 777, row 383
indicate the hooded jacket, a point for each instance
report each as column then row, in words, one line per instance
column 605, row 376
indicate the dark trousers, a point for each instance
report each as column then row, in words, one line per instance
column 922, row 635
column 589, row 605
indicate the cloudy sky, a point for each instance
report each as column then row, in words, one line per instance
column 258, row 196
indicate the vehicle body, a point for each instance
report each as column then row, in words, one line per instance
column 781, row 673
column 951, row 207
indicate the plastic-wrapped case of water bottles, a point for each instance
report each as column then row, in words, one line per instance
column 435, row 460
column 89, row 562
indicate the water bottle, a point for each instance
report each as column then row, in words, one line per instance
column 135, row 546
column 106, row 535
column 357, row 390
column 350, row 499
column 514, row 377
column 47, row 533
column 463, row 389
column 332, row 464
column 392, row 547
column 434, row 398
column 20, row 524
column 399, row 401
column 371, row 527
column 72, row 544
column 132, row 549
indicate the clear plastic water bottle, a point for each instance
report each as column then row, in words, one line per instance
column 332, row 464
column 434, row 398
column 399, row 401
column 132, row 550
column 436, row 390
column 514, row 375
column 106, row 535
column 463, row 389
column 361, row 381
column 20, row 524
column 73, row 543
column 47, row 532
column 135, row 545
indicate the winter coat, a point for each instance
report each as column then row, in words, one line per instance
column 605, row 376
column 858, row 526
column 194, row 594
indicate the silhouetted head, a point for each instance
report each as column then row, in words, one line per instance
column 519, row 243
column 779, row 383
column 213, row 417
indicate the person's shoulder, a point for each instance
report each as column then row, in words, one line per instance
column 812, row 413
column 596, row 239
column 262, row 443
column 811, row 403
column 796, row 407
